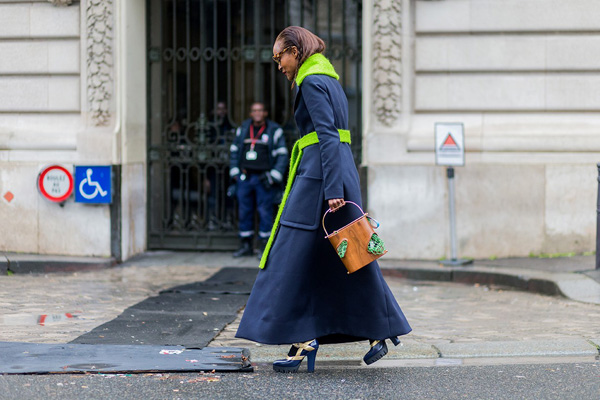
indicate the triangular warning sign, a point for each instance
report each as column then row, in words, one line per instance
column 449, row 143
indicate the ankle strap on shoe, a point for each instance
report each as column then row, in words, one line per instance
column 304, row 346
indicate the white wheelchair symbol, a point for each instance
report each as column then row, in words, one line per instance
column 90, row 183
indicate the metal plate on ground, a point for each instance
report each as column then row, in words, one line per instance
column 188, row 315
column 229, row 280
column 36, row 358
column 191, row 303
column 166, row 329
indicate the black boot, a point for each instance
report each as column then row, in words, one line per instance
column 262, row 243
column 245, row 248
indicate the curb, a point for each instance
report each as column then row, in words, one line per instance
column 412, row 350
column 42, row 264
column 574, row 286
column 3, row 264
column 520, row 282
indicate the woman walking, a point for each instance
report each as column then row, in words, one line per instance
column 303, row 294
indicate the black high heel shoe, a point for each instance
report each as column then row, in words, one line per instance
column 295, row 356
column 378, row 350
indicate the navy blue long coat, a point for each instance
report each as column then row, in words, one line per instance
column 304, row 292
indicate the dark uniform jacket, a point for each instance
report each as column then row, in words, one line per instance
column 277, row 150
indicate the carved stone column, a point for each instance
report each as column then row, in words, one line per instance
column 387, row 60
column 99, row 60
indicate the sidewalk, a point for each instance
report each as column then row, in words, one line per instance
column 572, row 277
column 478, row 322
column 440, row 311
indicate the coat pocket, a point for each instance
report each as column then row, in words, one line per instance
column 303, row 206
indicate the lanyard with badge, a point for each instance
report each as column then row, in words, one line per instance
column 251, row 154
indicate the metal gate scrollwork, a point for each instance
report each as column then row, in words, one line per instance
column 208, row 61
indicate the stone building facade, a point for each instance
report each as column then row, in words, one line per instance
column 66, row 69
column 522, row 76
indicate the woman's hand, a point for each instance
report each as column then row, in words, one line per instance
column 334, row 204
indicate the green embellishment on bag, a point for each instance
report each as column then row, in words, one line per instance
column 342, row 247
column 376, row 245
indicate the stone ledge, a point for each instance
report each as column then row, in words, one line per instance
column 41, row 264
column 3, row 264
column 574, row 286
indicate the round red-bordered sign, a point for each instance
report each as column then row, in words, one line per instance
column 55, row 183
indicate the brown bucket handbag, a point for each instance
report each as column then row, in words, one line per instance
column 357, row 244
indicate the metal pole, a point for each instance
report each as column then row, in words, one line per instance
column 450, row 175
column 258, row 77
column 453, row 261
column 598, row 223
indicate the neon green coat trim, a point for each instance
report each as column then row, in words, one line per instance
column 304, row 141
column 317, row 64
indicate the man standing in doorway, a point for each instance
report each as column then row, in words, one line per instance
column 258, row 161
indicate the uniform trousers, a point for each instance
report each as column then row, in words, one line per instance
column 253, row 195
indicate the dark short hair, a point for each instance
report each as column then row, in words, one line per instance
column 305, row 41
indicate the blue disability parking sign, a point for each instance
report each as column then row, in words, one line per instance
column 93, row 184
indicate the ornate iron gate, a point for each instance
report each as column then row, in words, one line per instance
column 208, row 60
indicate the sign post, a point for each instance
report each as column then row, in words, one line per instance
column 598, row 223
column 450, row 152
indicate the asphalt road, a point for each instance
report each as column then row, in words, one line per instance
column 575, row 380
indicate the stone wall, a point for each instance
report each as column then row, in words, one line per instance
column 524, row 78
column 44, row 110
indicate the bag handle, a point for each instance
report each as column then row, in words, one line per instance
column 329, row 210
